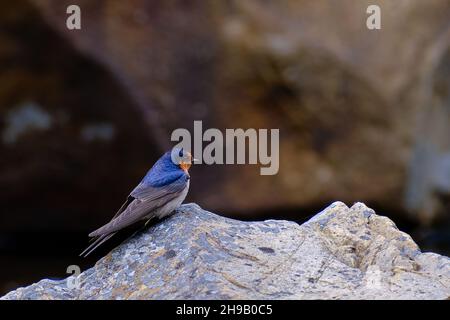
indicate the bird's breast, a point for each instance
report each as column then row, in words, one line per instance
column 170, row 206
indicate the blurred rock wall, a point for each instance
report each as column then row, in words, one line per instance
column 363, row 115
column 70, row 139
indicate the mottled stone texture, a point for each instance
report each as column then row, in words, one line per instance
column 341, row 253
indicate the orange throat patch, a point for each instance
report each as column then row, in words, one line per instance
column 185, row 166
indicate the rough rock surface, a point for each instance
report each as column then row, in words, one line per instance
column 341, row 253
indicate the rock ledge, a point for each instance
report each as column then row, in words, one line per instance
column 341, row 253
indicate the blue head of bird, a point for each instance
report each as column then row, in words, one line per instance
column 170, row 166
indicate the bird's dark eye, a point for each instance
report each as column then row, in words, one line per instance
column 181, row 153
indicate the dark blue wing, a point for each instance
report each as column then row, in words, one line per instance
column 157, row 182
column 146, row 199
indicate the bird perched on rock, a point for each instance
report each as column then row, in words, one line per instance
column 160, row 192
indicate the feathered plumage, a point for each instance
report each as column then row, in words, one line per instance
column 160, row 192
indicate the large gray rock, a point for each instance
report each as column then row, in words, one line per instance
column 341, row 253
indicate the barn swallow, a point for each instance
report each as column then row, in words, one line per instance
column 160, row 192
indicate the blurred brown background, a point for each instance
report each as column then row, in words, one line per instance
column 363, row 115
